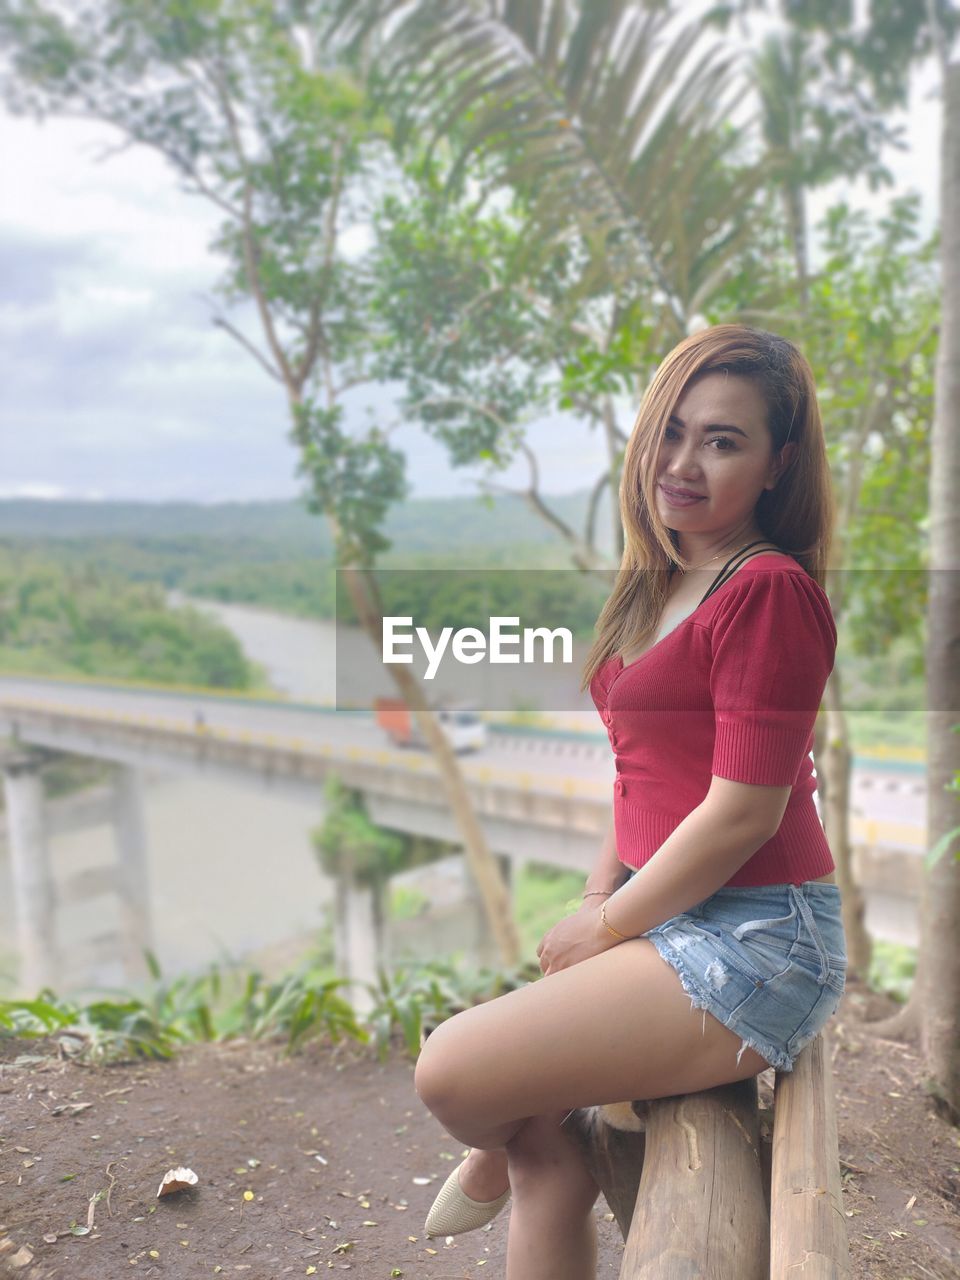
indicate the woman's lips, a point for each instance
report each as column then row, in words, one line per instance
column 678, row 500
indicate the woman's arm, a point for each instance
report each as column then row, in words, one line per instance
column 709, row 846
column 711, row 843
column 608, row 872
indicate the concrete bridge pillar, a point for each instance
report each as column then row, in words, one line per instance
column 33, row 891
column 358, row 939
column 133, row 881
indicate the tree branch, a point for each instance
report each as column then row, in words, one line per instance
column 250, row 255
column 245, row 342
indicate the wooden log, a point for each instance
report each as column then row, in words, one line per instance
column 700, row 1208
column 614, row 1155
column 808, row 1230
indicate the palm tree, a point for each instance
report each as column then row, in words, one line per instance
column 607, row 117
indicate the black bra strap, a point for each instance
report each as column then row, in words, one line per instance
column 738, row 556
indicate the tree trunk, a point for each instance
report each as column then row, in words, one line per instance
column 482, row 863
column 836, row 761
column 940, row 991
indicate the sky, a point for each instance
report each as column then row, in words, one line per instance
column 115, row 384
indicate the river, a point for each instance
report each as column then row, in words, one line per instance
column 232, row 871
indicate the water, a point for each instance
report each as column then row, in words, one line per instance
column 298, row 655
column 232, row 871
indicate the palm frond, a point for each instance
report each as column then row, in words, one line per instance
column 606, row 113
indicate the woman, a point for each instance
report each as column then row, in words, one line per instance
column 709, row 945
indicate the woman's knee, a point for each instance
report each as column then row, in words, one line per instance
column 544, row 1162
column 439, row 1074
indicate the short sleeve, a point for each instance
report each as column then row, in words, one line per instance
column 773, row 644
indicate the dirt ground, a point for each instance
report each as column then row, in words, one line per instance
column 326, row 1162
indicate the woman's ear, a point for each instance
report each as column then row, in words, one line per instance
column 782, row 463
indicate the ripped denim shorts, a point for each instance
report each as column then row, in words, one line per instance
column 769, row 962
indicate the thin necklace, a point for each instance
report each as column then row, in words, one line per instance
column 680, row 568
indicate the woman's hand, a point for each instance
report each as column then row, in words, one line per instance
column 574, row 938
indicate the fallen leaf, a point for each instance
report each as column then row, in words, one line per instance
column 177, row 1180
column 73, row 1107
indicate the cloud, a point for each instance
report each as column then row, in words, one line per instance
column 113, row 379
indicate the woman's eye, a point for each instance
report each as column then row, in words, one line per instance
column 724, row 440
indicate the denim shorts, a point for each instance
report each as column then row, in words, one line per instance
column 770, row 962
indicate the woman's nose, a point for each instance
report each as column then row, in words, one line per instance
column 679, row 458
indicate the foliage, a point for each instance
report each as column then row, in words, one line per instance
column 601, row 116
column 78, row 619
column 242, row 100
column 542, row 895
column 300, row 1006
column 456, row 598
column 349, row 843
column 101, row 1031
column 893, row 968
column 410, row 1001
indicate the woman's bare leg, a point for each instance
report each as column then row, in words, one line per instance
column 615, row 1027
column 552, row 1234
column 484, row 1174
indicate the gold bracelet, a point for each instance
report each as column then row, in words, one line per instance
column 609, row 927
column 597, row 893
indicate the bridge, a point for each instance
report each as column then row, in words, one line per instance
column 542, row 796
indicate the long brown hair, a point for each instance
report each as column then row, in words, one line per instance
column 797, row 516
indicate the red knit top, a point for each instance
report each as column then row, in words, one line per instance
column 732, row 690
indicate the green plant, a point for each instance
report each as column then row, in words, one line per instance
column 300, row 1006
column 215, row 1005
column 406, row 903
column 412, row 1000
column 100, row 1031
column 893, row 967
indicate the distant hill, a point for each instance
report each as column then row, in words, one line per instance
column 275, row 554
column 423, row 525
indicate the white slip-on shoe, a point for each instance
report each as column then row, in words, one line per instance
column 453, row 1211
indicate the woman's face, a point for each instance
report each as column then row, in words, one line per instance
column 717, row 446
